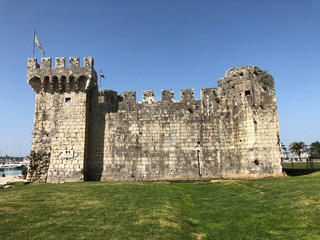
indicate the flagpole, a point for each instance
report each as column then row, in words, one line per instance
column 100, row 79
column 34, row 35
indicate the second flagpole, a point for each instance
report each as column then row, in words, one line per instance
column 34, row 35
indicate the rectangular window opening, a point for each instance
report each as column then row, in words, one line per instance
column 247, row 93
column 68, row 100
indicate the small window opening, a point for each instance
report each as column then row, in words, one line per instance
column 247, row 93
column 68, row 100
column 241, row 74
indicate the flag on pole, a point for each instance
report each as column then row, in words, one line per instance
column 101, row 74
column 36, row 40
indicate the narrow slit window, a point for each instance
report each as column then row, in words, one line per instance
column 68, row 100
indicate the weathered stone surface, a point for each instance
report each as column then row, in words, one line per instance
column 38, row 166
column 86, row 134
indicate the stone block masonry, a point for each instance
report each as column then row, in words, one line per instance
column 82, row 133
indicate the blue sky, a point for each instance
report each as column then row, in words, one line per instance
column 167, row 44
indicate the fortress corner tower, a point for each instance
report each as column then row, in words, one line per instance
column 61, row 118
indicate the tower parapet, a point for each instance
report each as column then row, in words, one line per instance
column 75, row 78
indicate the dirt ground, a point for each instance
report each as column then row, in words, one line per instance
column 4, row 180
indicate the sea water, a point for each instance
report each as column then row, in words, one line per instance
column 10, row 172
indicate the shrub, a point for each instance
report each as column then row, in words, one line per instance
column 24, row 170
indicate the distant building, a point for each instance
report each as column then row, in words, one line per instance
column 289, row 156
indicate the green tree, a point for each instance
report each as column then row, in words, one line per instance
column 298, row 148
column 284, row 148
column 315, row 147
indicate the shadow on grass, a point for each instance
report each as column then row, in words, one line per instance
column 199, row 181
column 299, row 172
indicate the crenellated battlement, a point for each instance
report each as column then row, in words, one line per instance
column 167, row 96
column 148, row 96
column 129, row 96
column 46, row 63
column 187, row 95
column 108, row 96
column 60, row 62
column 75, row 78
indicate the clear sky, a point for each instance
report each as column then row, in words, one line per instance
column 164, row 44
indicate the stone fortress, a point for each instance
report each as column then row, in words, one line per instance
column 82, row 133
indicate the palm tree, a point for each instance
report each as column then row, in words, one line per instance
column 297, row 147
column 284, row 148
column 315, row 146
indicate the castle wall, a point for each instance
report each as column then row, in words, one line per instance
column 231, row 132
column 147, row 141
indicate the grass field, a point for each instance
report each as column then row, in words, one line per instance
column 300, row 168
column 301, row 165
column 272, row 208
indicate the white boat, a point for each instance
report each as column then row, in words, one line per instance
column 6, row 166
column 12, row 166
column 15, row 166
column 25, row 163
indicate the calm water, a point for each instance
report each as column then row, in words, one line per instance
column 11, row 172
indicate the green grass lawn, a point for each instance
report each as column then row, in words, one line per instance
column 271, row 208
column 301, row 165
column 300, row 168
